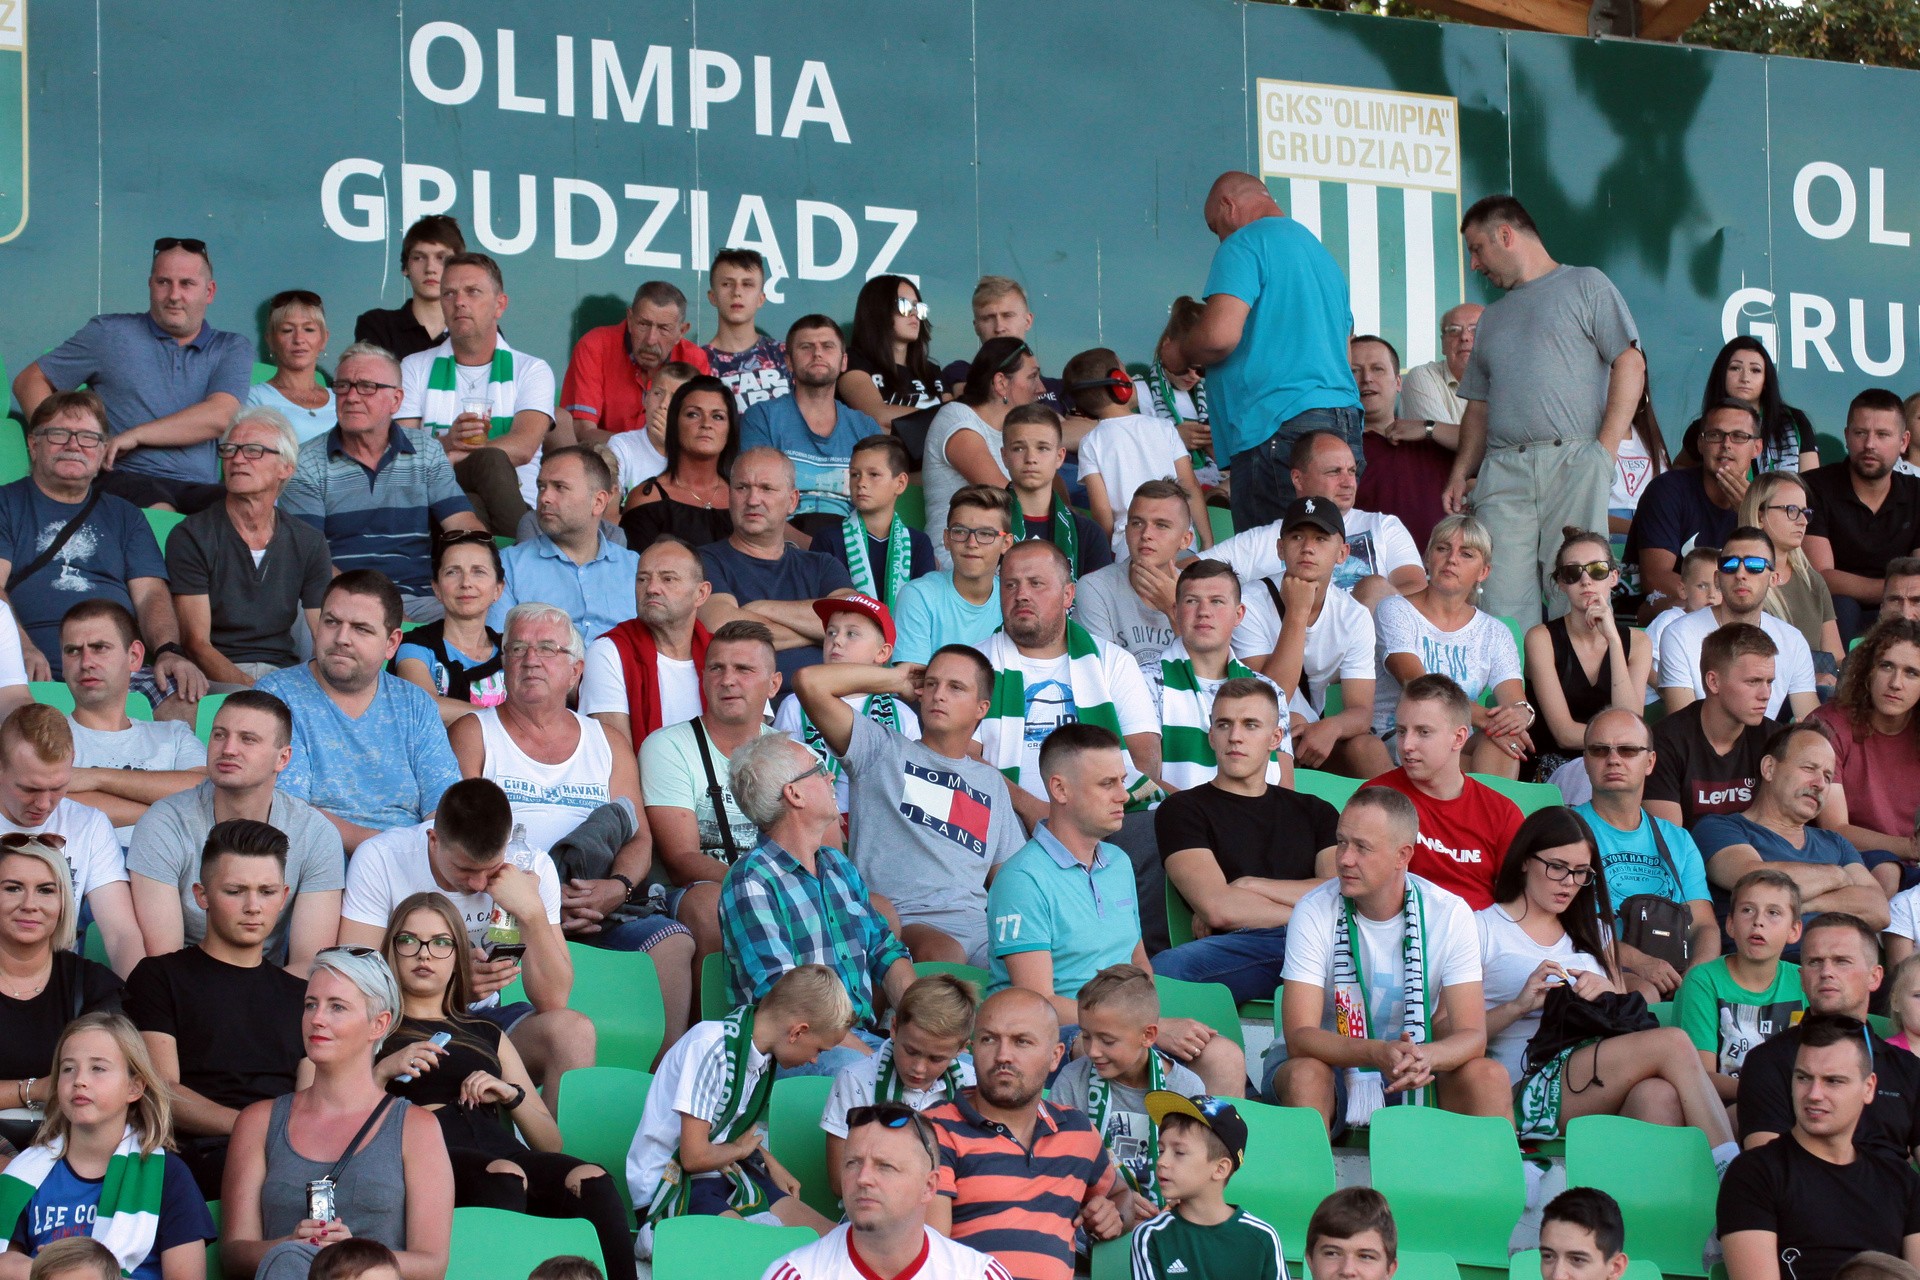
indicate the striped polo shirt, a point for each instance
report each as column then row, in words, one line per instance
column 379, row 519
column 1017, row 1204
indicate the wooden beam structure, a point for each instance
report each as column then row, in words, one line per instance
column 1659, row 19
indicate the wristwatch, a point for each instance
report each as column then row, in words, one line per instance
column 1429, row 425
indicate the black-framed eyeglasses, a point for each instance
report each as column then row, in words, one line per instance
column 295, row 297
column 1568, row 574
column 67, row 435
column 440, row 946
column 1727, row 437
column 896, row 1115
column 909, row 307
column 251, row 452
column 361, row 386
column 1625, row 750
column 191, row 245
column 1560, row 871
column 1752, row 564
column 1791, row 510
column 960, row 534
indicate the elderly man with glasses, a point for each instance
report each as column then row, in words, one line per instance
column 241, row 576
column 378, row 492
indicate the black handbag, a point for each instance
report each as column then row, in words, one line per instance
column 1657, row 925
column 1567, row 1020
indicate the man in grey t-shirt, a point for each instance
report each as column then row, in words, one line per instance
column 1551, row 389
column 250, row 743
column 928, row 822
column 1131, row 603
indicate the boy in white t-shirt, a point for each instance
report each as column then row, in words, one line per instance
column 1126, row 449
column 642, row 455
column 858, row 630
column 924, row 1063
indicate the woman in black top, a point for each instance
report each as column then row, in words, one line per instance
column 457, row 658
column 1582, row 663
column 479, row 1090
column 44, row 983
column 689, row 498
column 1745, row 371
column 890, row 371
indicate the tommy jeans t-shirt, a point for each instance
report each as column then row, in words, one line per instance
column 1462, row 841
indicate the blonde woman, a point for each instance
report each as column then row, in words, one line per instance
column 1779, row 503
column 297, row 338
column 102, row 1158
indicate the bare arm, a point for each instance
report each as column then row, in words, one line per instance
column 676, row 843
column 1839, row 581
column 1034, row 971
column 141, row 786
column 1098, row 503
column 1753, row 1255
column 619, row 722
column 30, row 387
column 822, row 690
column 968, row 454
column 1727, row 866
column 1217, row 333
column 352, row 834
column 113, row 915
column 314, row 926
column 1217, row 905
column 531, row 1117
column 859, row 392
column 195, row 424
column 1467, row 459
column 1145, row 750
column 241, row 1245
column 1626, row 379
column 1668, row 811
column 722, row 608
column 429, row 1192
column 415, row 672
column 156, row 905
column 524, row 438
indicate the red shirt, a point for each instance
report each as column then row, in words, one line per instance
column 604, row 386
column 1405, row 480
column 1462, row 841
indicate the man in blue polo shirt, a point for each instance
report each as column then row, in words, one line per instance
column 1065, row 906
column 571, row 563
column 374, row 490
column 171, row 383
column 811, row 425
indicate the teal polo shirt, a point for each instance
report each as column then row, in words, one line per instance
column 1044, row 899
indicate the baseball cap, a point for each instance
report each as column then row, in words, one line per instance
column 866, row 606
column 1215, row 1113
column 1319, row 512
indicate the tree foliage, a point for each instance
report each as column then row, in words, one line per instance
column 1882, row 33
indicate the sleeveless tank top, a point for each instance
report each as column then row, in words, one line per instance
column 551, row 799
column 1585, row 699
column 372, row 1195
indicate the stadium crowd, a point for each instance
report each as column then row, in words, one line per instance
column 385, row 747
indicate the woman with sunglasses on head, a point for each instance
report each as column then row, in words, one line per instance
column 1582, row 662
column 44, row 982
column 689, row 499
column 457, row 658
column 1778, row 502
column 502, row 1140
column 1875, row 798
column 339, row 1158
column 1745, row 371
column 296, row 339
column 1550, row 926
column 963, row 444
column 890, row 371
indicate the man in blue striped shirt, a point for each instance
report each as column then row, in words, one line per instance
column 375, row 490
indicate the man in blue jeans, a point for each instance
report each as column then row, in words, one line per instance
column 1273, row 340
column 1241, row 851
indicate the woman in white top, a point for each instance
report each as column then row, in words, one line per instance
column 963, row 445
column 1547, row 928
column 1438, row 630
column 297, row 338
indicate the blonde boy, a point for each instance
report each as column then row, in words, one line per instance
column 923, row 1065
column 1733, row 1003
column 859, row 630
column 1699, row 589
column 642, row 455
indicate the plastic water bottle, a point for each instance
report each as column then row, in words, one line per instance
column 502, row 929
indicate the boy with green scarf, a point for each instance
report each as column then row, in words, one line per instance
column 1032, row 452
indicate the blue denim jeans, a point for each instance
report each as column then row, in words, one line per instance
column 836, row 1059
column 1246, row 962
column 1262, row 485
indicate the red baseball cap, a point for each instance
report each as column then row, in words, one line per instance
column 866, row 606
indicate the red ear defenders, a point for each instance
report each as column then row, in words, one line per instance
column 1116, row 384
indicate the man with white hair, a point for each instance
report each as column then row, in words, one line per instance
column 795, row 900
column 240, row 574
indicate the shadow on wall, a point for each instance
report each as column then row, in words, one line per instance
column 592, row 312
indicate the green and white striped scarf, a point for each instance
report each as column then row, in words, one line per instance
column 1186, row 714
column 1062, row 529
column 440, row 404
column 128, row 1217
column 1092, row 702
column 1143, row 1177
column 1366, row 1090
column 739, row 1111
column 853, row 533
column 887, row 1086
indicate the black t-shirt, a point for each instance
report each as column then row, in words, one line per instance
column 29, row 1029
column 831, row 541
column 1821, row 1214
column 913, row 389
column 1890, row 1125
column 1688, row 772
column 1096, row 551
column 1276, row 835
column 237, row 1031
column 396, row 330
column 1863, row 541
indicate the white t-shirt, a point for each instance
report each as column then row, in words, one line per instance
column 691, row 1081
column 639, row 460
column 1050, row 704
column 1106, row 604
column 13, row 666
column 1477, row 657
column 787, row 720
column 1680, row 657
column 1906, row 914
column 857, row 1084
column 531, row 388
column 1376, row 543
column 1451, row 940
column 604, row 686
column 1632, row 472
column 93, row 852
column 830, row 1258
column 1125, row 453
column 1508, row 958
column 1340, row 642
column 158, row 745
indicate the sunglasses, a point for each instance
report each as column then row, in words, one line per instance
column 1013, row 358
column 1568, row 574
column 191, row 245
column 1752, row 564
column 895, row 1115
column 908, row 307
column 1582, row 876
column 463, row 537
column 295, row 297
column 21, row 839
column 1625, row 750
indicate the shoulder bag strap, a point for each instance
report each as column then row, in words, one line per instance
column 1666, row 856
column 340, row 1165
column 716, row 794
column 60, row 540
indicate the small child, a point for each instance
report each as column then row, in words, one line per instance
column 1181, row 398
column 75, row 1258
column 1699, row 588
column 1352, row 1236
column 1032, row 453
column 569, row 1266
column 1903, row 1004
column 753, row 366
column 1119, row 1011
column 355, row 1259
column 1127, row 448
column 1203, row 1143
column 701, row 1147
column 1734, row 1003
column 923, row 1065
column 881, row 553
column 859, row 630
column 641, row 455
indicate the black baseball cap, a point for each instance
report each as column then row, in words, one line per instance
column 1321, row 513
column 1215, row 1113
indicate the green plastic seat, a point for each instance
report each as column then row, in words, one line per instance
column 1179, row 917
column 1289, row 1170
column 965, row 972
column 715, row 1248
column 163, row 524
column 55, row 694
column 1530, row 796
column 1662, row 1012
column 1881, row 1024
column 1113, row 1259
column 94, row 947
column 1221, row 521
column 796, row 1139
column 599, row 1114
column 1470, row 1212
column 713, row 988
column 213, row 1211
column 1525, row 1265
column 1334, row 788
column 1662, row 1176
column 619, row 991
column 1334, row 703
column 13, row 449
column 912, row 507
column 263, row 372
column 203, row 718
column 1207, row 1002
column 493, row 1244
column 1430, row 1266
